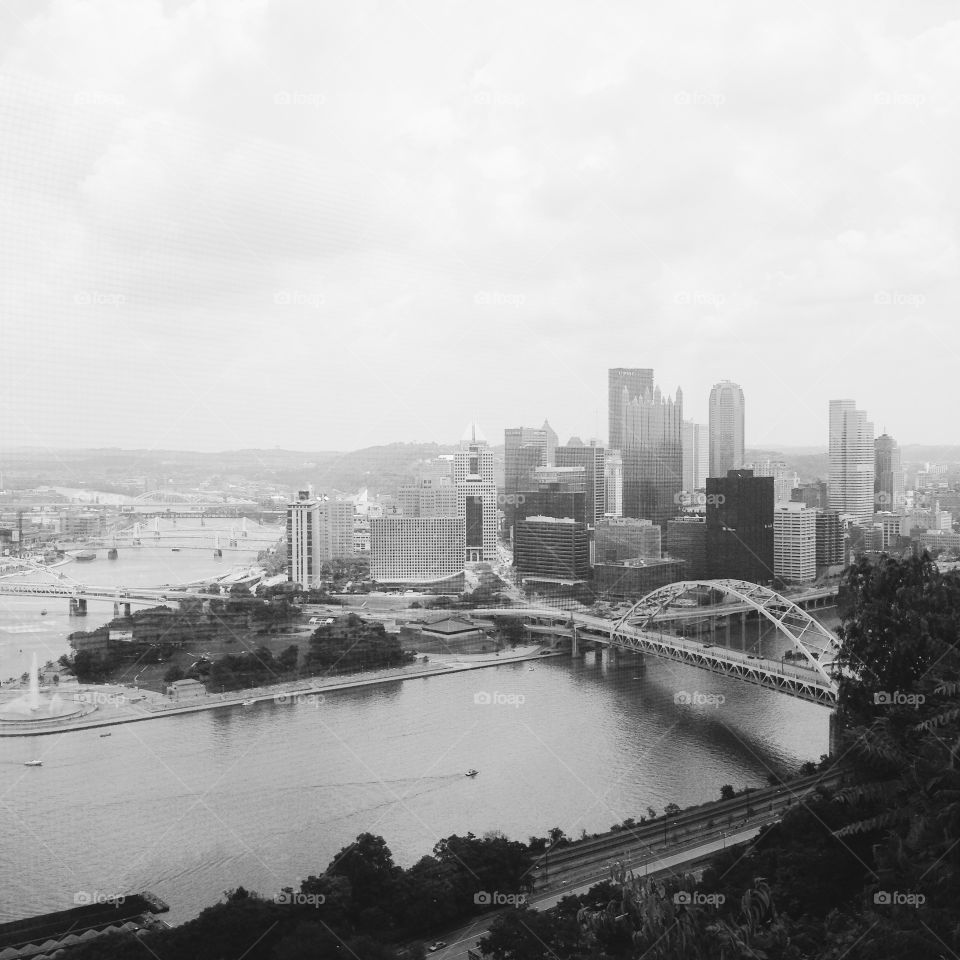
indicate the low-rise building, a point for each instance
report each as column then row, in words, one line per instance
column 186, row 690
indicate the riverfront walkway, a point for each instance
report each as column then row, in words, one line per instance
column 117, row 704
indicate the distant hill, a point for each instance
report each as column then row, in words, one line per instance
column 811, row 463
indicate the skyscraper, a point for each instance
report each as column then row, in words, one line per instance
column 613, row 471
column 593, row 460
column 624, row 384
column 726, row 428
column 794, row 542
column 888, row 474
column 476, row 495
column 740, row 527
column 652, row 456
column 696, row 455
column 318, row 530
column 784, row 479
column 850, row 486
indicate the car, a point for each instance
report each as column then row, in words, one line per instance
column 436, row 946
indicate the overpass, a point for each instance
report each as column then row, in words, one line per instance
column 641, row 630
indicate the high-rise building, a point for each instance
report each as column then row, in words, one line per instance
column 552, row 500
column 417, row 550
column 624, row 538
column 740, row 527
column 829, row 546
column 794, row 542
column 551, row 548
column 652, row 456
column 550, row 444
column 784, row 479
column 812, row 494
column 318, row 530
column 686, row 539
column 696, row 455
column 473, row 476
column 624, row 384
column 430, row 492
column 726, row 428
column 613, row 479
column 887, row 474
column 593, row 460
column 851, row 481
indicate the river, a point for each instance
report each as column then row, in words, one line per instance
column 190, row 806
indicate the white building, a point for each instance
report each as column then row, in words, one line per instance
column 696, row 455
column 318, row 530
column 784, row 480
column 416, row 550
column 794, row 542
column 851, row 481
column 613, row 480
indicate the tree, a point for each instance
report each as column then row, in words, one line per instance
column 727, row 792
column 173, row 674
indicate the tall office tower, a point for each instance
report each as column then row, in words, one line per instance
column 652, row 456
column 794, row 542
column 726, row 428
column 624, row 384
column 429, row 492
column 524, row 448
column 318, row 530
column 829, row 539
column 888, row 474
column 416, row 550
column 696, row 455
column 686, row 539
column 550, row 444
column 593, row 460
column 784, row 480
column 623, row 538
column 850, row 488
column 613, row 479
column 476, row 495
column 552, row 549
column 740, row 527
column 551, row 500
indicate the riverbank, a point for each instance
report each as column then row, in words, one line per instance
column 131, row 705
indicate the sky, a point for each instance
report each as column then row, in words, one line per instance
column 232, row 224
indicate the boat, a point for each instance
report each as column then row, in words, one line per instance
column 174, row 549
column 106, row 734
column 43, row 612
column 472, row 773
column 531, row 668
column 33, row 763
column 85, row 555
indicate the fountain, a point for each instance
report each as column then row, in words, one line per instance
column 36, row 707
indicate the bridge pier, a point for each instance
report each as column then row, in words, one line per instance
column 836, row 728
column 78, row 607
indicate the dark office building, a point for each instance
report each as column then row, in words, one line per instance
column 814, row 494
column 686, row 539
column 634, row 579
column 546, row 547
column 552, row 501
column 740, row 527
column 593, row 460
column 524, row 451
column 829, row 542
column 888, row 474
column 624, row 384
